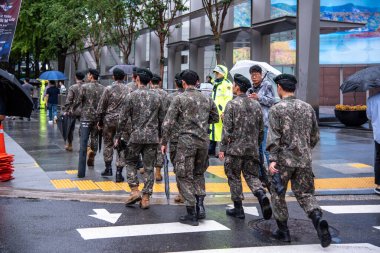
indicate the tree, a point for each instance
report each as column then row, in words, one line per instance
column 216, row 11
column 126, row 15
column 159, row 16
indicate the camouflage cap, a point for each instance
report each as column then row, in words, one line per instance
column 242, row 81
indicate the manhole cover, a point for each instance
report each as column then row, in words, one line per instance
column 300, row 230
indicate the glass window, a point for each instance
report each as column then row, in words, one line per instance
column 242, row 14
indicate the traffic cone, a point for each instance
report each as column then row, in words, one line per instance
column 6, row 160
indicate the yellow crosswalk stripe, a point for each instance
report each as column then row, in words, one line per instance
column 86, row 185
column 71, row 172
column 63, row 184
column 107, row 186
column 359, row 165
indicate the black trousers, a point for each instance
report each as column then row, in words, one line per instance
column 85, row 129
column 212, row 148
column 377, row 163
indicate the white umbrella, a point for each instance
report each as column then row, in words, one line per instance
column 269, row 72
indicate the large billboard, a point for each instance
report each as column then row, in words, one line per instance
column 356, row 46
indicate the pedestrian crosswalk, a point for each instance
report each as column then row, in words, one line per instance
column 344, row 209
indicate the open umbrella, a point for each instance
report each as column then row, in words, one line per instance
column 362, row 80
column 128, row 69
column 166, row 178
column 14, row 97
column 269, row 72
column 53, row 75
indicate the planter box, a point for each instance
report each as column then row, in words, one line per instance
column 351, row 118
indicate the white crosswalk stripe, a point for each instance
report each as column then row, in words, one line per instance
column 252, row 210
column 352, row 209
column 312, row 248
column 149, row 229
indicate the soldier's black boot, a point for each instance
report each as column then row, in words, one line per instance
column 119, row 175
column 264, row 204
column 201, row 212
column 237, row 211
column 282, row 233
column 322, row 228
column 190, row 218
column 108, row 170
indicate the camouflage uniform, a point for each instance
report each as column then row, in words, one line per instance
column 89, row 96
column 144, row 110
column 163, row 96
column 292, row 135
column 72, row 106
column 243, row 130
column 191, row 113
column 132, row 86
column 109, row 109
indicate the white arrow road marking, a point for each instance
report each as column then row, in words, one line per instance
column 352, row 209
column 312, row 248
column 252, row 210
column 377, row 227
column 149, row 229
column 103, row 214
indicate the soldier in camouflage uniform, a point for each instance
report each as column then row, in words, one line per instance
column 243, row 131
column 156, row 86
column 133, row 85
column 109, row 109
column 292, row 135
column 191, row 113
column 174, row 134
column 143, row 108
column 89, row 96
column 72, row 106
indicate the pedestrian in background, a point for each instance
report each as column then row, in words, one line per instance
column 89, row 96
column 243, row 130
column 155, row 85
column 72, row 106
column 36, row 97
column 373, row 114
column 221, row 94
column 109, row 110
column 144, row 111
column 28, row 88
column 191, row 113
column 262, row 92
column 52, row 93
column 293, row 133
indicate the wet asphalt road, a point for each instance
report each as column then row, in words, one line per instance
column 28, row 225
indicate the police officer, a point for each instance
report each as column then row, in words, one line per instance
column 156, row 86
column 293, row 133
column 72, row 105
column 192, row 113
column 144, row 110
column 174, row 134
column 89, row 96
column 243, row 130
column 109, row 109
column 221, row 94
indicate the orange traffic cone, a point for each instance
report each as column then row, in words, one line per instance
column 6, row 160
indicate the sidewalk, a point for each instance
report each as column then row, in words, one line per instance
column 342, row 163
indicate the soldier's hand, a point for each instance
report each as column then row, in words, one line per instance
column 254, row 96
column 272, row 168
column 221, row 156
column 99, row 125
column 116, row 143
column 222, row 116
column 163, row 149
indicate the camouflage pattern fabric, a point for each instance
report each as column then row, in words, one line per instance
column 191, row 113
column 144, row 112
column 233, row 167
column 169, row 100
column 89, row 97
column 266, row 98
column 293, row 133
column 149, row 152
column 159, row 157
column 243, row 128
column 72, row 104
column 302, row 182
column 109, row 132
column 132, row 86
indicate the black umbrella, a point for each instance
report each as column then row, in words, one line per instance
column 34, row 82
column 100, row 137
column 16, row 101
column 362, row 80
column 166, row 178
column 65, row 125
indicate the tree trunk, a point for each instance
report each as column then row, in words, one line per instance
column 218, row 55
column 62, row 59
column 27, row 63
column 162, row 58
